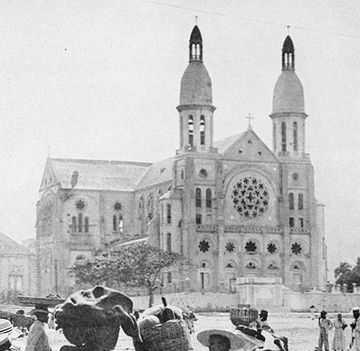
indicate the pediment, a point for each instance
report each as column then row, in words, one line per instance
column 249, row 147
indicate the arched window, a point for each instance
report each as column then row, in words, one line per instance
column 80, row 222
column 168, row 213
column 202, row 130
column 191, row 130
column 198, row 197
column 86, row 224
column 169, row 277
column 295, row 136
column 300, row 201
column 121, row 224
column 162, row 213
column 283, row 136
column 73, row 224
column 168, row 242
column 208, row 198
column 198, row 218
column 291, row 201
column 150, row 206
column 115, row 226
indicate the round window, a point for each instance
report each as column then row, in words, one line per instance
column 250, row 197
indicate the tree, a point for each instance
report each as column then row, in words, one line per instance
column 138, row 265
column 346, row 274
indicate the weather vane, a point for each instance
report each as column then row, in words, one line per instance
column 249, row 118
column 196, row 19
column 288, row 28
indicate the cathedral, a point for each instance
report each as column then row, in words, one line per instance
column 234, row 207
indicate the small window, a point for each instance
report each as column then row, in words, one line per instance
column 168, row 214
column 73, row 224
column 291, row 201
column 203, row 173
column 271, row 248
column 296, row 249
column 121, row 224
column 115, row 225
column 295, row 136
column 169, row 277
column 86, row 224
column 80, row 222
column 251, row 265
column 198, row 218
column 191, row 130
column 291, row 222
column 295, row 176
column 204, row 246
column 198, row 197
column 208, row 198
column 300, row 201
column 283, row 137
column 168, row 242
column 301, row 222
column 202, row 130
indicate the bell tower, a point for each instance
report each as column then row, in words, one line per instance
column 288, row 113
column 195, row 108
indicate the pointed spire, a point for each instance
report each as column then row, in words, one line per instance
column 288, row 55
column 195, row 45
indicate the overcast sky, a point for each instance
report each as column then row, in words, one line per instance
column 100, row 80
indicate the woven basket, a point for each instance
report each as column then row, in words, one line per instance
column 243, row 316
column 169, row 336
column 104, row 335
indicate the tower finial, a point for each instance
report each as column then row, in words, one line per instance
column 288, row 28
column 288, row 54
column 196, row 20
column 195, row 45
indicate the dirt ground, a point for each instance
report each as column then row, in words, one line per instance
column 301, row 331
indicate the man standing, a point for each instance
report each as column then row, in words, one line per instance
column 325, row 325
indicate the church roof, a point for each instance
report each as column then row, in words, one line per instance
column 158, row 172
column 99, row 175
column 8, row 246
column 288, row 93
column 196, row 85
column 224, row 144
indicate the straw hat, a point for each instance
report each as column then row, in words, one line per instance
column 236, row 342
column 5, row 329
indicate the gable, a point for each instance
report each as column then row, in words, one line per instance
column 249, row 147
column 49, row 178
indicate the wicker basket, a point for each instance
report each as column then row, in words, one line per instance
column 243, row 315
column 169, row 336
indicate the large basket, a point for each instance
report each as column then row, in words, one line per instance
column 104, row 335
column 243, row 315
column 169, row 336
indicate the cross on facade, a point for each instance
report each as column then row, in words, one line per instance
column 249, row 118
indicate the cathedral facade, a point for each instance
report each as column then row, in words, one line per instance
column 235, row 207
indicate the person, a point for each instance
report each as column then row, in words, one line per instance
column 37, row 339
column 355, row 330
column 339, row 338
column 325, row 325
column 263, row 323
column 220, row 340
column 6, row 329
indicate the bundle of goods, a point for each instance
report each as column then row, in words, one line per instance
column 162, row 329
column 92, row 318
column 243, row 316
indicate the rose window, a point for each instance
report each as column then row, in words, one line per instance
column 250, row 247
column 117, row 206
column 229, row 246
column 80, row 204
column 296, row 249
column 204, row 246
column 271, row 248
column 250, row 197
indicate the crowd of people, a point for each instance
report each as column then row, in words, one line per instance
column 256, row 335
column 339, row 342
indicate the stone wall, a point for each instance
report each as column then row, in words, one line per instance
column 196, row 301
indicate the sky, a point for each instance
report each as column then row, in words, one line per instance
column 99, row 79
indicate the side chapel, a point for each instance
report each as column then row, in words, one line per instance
column 235, row 207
